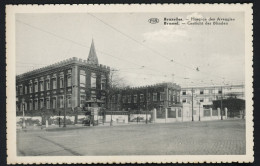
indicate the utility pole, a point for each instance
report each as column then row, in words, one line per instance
column 146, row 104
column 192, row 103
column 65, row 100
column 221, row 103
column 23, row 125
column 199, row 111
column 110, row 95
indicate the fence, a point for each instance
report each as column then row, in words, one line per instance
column 173, row 114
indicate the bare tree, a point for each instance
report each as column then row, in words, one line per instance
column 116, row 82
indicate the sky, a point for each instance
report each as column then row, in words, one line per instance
column 143, row 53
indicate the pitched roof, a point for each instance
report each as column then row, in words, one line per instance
column 92, row 56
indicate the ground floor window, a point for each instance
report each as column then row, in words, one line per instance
column 179, row 112
column 36, row 104
column 48, row 103
column 31, row 105
column 69, row 101
column 82, row 100
column 41, row 103
column 54, row 103
column 61, row 101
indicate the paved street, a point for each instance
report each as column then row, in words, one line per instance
column 193, row 138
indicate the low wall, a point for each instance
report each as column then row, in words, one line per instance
column 199, row 114
column 29, row 121
column 116, row 118
column 140, row 117
column 38, row 120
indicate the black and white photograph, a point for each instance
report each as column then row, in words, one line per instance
column 130, row 83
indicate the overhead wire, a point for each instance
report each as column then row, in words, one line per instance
column 156, row 52
column 77, row 43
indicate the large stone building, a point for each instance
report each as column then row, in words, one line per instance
column 144, row 98
column 205, row 95
column 67, row 84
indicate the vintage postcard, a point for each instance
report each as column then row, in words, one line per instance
column 160, row 83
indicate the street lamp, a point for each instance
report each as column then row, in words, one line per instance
column 65, row 100
column 199, row 110
column 23, row 126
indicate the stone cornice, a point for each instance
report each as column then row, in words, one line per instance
column 168, row 84
column 73, row 60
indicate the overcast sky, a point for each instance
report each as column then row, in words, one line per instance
column 144, row 51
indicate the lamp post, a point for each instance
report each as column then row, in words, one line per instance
column 192, row 119
column 65, row 100
column 111, row 120
column 146, row 105
column 59, row 118
column 23, row 126
column 221, row 103
column 199, row 110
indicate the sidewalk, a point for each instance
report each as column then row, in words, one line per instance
column 72, row 127
column 50, row 128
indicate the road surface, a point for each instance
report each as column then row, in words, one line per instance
column 189, row 138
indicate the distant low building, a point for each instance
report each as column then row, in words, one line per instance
column 205, row 95
column 143, row 98
column 70, row 83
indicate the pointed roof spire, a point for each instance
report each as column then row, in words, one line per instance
column 92, row 56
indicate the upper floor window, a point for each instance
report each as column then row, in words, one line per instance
column 82, row 78
column 184, row 100
column 47, row 84
column 154, row 96
column 129, row 99
column 103, row 82
column 69, row 80
column 183, row 92
column 36, row 87
column 201, row 100
column 118, row 98
column 61, row 82
column 201, row 92
column 25, row 89
column 41, row 86
column 21, row 89
column 148, row 97
column 135, row 98
column 162, row 96
column 93, row 80
column 124, row 99
column 141, row 97
column 30, row 88
column 54, row 83
column 220, row 91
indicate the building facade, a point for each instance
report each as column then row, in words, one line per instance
column 67, row 84
column 205, row 95
column 157, row 96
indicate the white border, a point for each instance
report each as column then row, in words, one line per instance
column 10, row 59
